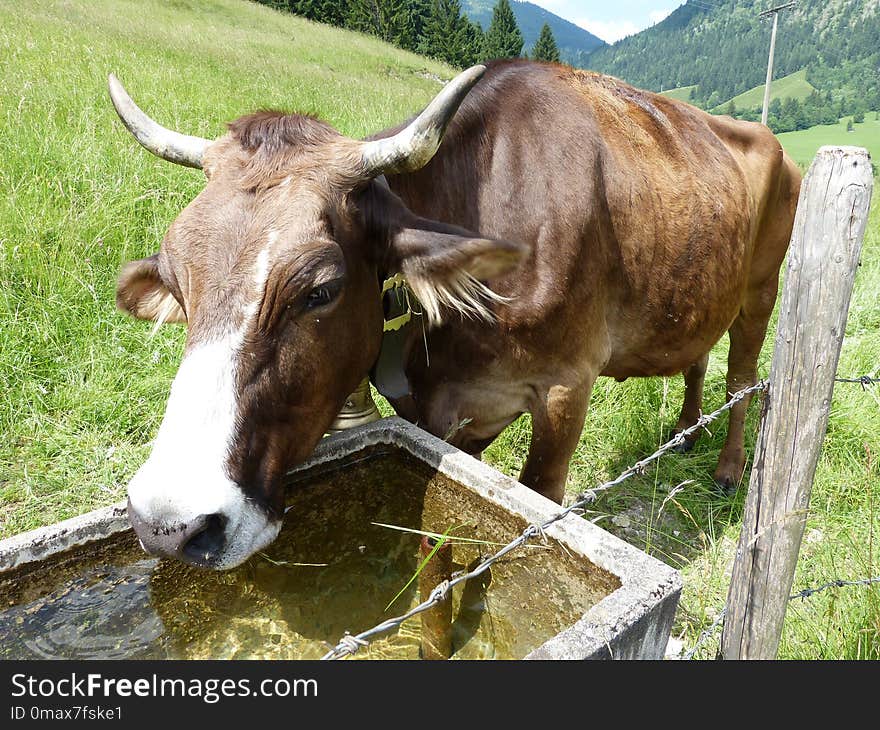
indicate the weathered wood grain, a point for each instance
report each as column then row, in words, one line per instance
column 824, row 255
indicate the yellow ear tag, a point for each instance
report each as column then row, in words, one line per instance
column 397, row 285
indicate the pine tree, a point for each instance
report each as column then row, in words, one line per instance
column 472, row 41
column 398, row 27
column 361, row 16
column 419, row 13
column 449, row 35
column 503, row 39
column 321, row 11
column 545, row 47
column 387, row 19
column 440, row 29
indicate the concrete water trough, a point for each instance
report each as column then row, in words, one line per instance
column 347, row 559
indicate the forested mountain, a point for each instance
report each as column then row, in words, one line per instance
column 573, row 41
column 455, row 31
column 721, row 48
column 710, row 51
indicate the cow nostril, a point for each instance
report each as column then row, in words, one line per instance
column 206, row 544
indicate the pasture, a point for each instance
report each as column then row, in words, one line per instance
column 682, row 93
column 793, row 86
column 84, row 386
column 802, row 145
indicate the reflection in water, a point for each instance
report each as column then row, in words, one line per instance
column 120, row 605
column 286, row 611
column 104, row 613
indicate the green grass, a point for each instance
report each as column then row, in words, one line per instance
column 793, row 86
column 682, row 93
column 84, row 387
column 803, row 145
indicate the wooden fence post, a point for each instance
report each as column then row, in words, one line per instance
column 824, row 254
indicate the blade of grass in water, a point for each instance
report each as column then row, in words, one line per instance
column 441, row 539
column 456, row 539
column 285, row 562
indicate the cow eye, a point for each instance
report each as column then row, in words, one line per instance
column 321, row 295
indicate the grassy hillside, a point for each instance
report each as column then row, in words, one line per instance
column 84, row 387
column 682, row 93
column 793, row 86
column 803, row 145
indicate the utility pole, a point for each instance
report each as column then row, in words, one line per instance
column 766, row 14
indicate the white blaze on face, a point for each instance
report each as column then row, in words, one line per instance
column 187, row 475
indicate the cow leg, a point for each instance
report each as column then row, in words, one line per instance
column 692, row 407
column 746, row 338
column 557, row 423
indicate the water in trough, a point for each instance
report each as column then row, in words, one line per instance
column 331, row 570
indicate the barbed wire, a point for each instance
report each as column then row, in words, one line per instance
column 865, row 381
column 706, row 634
column 590, row 496
column 350, row 644
column 807, row 592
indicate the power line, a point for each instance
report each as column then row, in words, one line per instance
column 773, row 11
column 766, row 14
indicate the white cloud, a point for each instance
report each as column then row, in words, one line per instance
column 657, row 15
column 608, row 30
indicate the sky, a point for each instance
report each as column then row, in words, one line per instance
column 611, row 20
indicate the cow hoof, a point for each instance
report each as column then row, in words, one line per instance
column 726, row 486
column 685, row 446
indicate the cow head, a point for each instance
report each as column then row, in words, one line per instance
column 276, row 267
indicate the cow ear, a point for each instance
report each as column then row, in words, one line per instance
column 141, row 292
column 446, row 267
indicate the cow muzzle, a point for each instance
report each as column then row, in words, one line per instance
column 200, row 541
column 216, row 527
column 213, row 540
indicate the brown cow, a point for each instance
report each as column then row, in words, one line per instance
column 621, row 233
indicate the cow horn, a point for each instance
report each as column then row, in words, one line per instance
column 165, row 143
column 414, row 146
